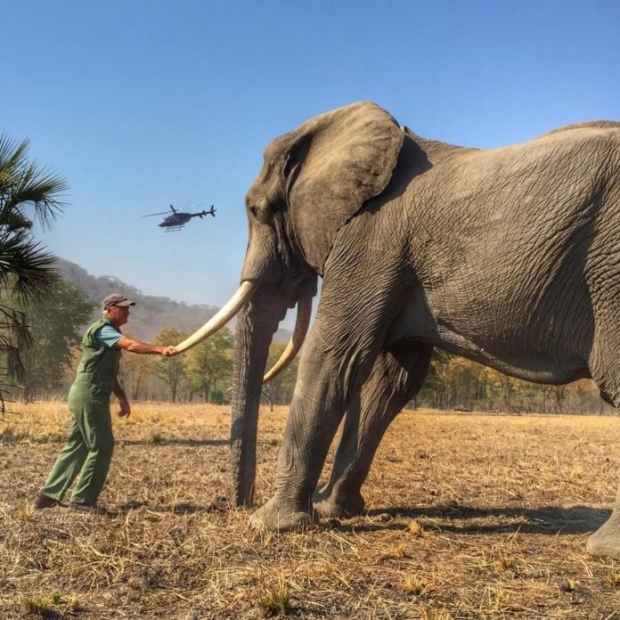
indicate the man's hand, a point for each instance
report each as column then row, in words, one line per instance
column 169, row 351
column 125, row 408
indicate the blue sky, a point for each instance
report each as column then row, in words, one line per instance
column 141, row 104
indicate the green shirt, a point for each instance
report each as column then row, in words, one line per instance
column 98, row 367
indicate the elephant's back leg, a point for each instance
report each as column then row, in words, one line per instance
column 604, row 360
column 396, row 378
column 604, row 363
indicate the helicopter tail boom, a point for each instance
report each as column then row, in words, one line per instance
column 211, row 211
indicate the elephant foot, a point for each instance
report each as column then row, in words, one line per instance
column 275, row 516
column 606, row 540
column 334, row 504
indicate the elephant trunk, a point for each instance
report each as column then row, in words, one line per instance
column 256, row 324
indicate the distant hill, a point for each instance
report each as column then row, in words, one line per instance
column 151, row 313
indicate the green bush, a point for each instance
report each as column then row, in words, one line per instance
column 216, row 397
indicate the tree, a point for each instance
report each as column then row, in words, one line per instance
column 26, row 270
column 55, row 323
column 434, row 390
column 210, row 362
column 171, row 370
column 456, row 382
column 135, row 372
column 279, row 391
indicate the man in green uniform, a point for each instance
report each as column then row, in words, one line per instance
column 88, row 450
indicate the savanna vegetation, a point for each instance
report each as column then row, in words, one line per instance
column 469, row 516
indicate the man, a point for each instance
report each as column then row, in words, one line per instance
column 88, row 450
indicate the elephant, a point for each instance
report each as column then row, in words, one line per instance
column 506, row 256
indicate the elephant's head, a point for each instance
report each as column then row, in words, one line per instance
column 313, row 181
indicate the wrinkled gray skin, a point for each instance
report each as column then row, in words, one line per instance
column 509, row 257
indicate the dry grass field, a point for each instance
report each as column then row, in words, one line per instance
column 469, row 516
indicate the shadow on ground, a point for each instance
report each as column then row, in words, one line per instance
column 154, row 443
column 462, row 519
column 455, row 518
column 218, row 505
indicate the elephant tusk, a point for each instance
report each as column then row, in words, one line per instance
column 215, row 323
column 304, row 310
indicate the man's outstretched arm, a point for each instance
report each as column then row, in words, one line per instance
column 135, row 346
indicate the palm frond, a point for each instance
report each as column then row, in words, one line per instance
column 26, row 269
column 12, row 153
column 23, row 184
column 39, row 189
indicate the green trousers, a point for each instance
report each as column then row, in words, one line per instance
column 88, row 451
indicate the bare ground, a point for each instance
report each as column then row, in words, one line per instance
column 469, row 516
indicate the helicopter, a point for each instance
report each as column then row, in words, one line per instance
column 177, row 219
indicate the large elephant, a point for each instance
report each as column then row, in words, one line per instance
column 509, row 257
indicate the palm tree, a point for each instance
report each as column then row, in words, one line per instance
column 27, row 271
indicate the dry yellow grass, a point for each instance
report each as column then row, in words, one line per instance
column 469, row 516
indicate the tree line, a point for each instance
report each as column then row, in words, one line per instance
column 455, row 383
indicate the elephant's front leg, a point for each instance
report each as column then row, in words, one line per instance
column 336, row 360
column 396, row 378
column 316, row 409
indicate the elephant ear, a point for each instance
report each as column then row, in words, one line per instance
column 337, row 161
